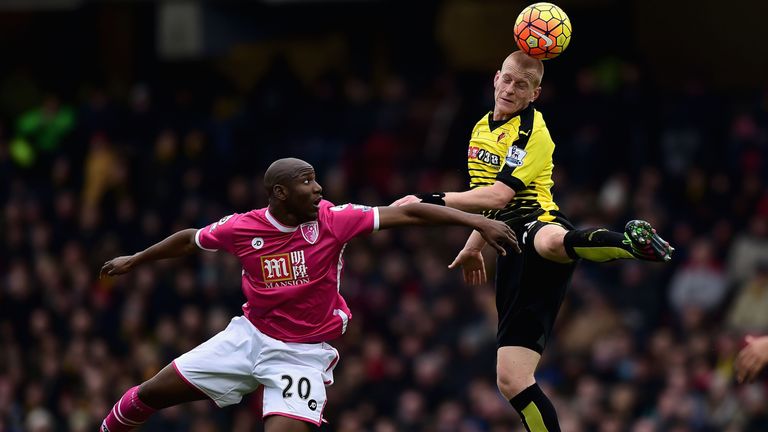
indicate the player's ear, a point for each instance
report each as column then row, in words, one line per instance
column 280, row 192
column 536, row 93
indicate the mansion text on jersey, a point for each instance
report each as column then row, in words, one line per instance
column 285, row 269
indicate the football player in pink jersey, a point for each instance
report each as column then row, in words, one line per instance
column 291, row 254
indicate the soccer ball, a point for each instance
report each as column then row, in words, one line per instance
column 543, row 31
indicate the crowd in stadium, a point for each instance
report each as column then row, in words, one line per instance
column 639, row 347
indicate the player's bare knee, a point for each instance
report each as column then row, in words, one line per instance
column 146, row 394
column 511, row 384
column 547, row 246
column 166, row 389
column 549, row 243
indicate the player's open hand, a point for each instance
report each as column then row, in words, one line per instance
column 497, row 234
column 117, row 266
column 752, row 358
column 472, row 266
column 408, row 199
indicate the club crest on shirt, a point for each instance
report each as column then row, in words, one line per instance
column 310, row 231
column 515, row 156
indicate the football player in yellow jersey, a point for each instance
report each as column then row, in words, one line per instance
column 510, row 165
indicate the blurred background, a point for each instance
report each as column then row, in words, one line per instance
column 124, row 121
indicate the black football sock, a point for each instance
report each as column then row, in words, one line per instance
column 536, row 410
column 596, row 244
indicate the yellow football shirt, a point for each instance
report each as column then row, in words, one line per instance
column 517, row 152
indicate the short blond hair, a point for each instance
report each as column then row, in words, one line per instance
column 535, row 66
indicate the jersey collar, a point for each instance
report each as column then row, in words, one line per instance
column 493, row 124
column 280, row 227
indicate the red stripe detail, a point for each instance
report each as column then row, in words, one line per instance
column 295, row 417
column 333, row 362
column 321, row 412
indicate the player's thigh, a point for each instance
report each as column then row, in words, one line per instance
column 294, row 377
column 222, row 367
column 509, row 269
column 544, row 285
column 515, row 366
column 277, row 423
column 514, row 358
column 540, row 287
column 166, row 389
column 548, row 243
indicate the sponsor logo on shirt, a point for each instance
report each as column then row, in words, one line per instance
column 484, row 155
column 257, row 242
column 515, row 156
column 284, row 269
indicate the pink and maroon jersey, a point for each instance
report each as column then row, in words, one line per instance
column 291, row 275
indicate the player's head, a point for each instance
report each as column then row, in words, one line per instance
column 292, row 187
column 517, row 83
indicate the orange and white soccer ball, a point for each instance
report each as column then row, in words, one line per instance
column 543, row 31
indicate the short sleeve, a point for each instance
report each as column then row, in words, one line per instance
column 350, row 220
column 218, row 235
column 522, row 166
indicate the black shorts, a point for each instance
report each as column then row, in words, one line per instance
column 529, row 291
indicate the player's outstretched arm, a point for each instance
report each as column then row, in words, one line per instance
column 176, row 245
column 494, row 232
column 495, row 196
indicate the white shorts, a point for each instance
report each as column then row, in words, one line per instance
column 237, row 360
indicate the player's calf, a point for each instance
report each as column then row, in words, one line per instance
column 638, row 241
column 164, row 389
column 536, row 410
column 128, row 413
column 597, row 245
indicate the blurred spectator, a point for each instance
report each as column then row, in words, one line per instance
column 700, row 283
column 102, row 171
column 747, row 313
column 592, row 322
column 748, row 249
column 39, row 132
